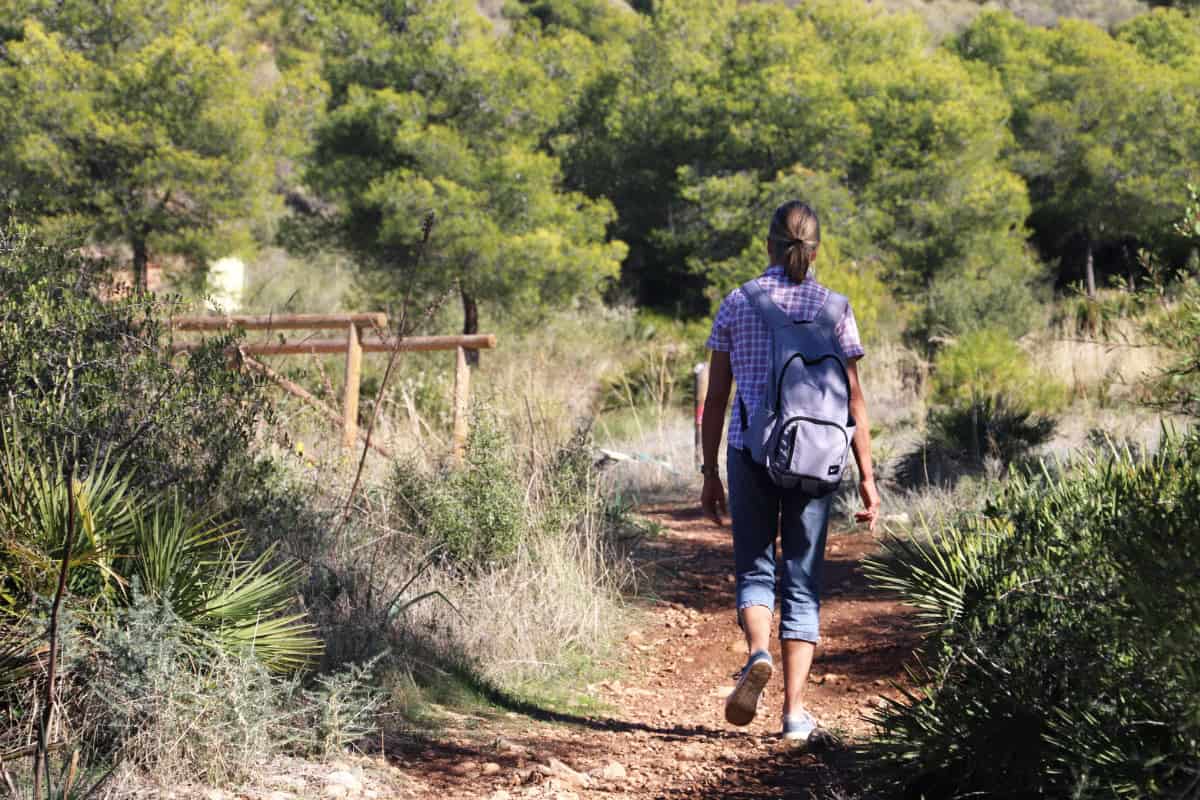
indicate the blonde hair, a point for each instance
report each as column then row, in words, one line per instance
column 793, row 238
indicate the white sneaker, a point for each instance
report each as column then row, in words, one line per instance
column 742, row 703
column 798, row 727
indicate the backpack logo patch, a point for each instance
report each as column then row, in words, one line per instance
column 835, row 469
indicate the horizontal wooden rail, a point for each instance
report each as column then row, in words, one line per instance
column 280, row 322
column 483, row 341
column 353, row 346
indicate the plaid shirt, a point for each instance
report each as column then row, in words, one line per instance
column 739, row 331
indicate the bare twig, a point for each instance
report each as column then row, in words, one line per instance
column 41, row 758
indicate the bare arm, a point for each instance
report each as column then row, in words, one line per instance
column 720, row 383
column 861, row 445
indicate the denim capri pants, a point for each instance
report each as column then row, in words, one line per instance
column 760, row 510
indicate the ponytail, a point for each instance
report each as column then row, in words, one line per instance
column 794, row 235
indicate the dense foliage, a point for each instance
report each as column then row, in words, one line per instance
column 135, row 123
column 1061, row 637
column 575, row 138
column 97, row 378
column 116, row 464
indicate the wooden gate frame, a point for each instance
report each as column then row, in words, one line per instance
column 353, row 346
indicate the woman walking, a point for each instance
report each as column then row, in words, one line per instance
column 774, row 454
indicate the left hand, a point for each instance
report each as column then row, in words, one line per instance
column 871, row 503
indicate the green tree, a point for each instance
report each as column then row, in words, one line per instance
column 132, row 121
column 1104, row 130
column 432, row 117
column 721, row 110
column 599, row 20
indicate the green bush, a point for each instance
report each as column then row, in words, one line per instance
column 988, row 405
column 175, row 710
column 665, row 351
column 1177, row 330
column 87, row 367
column 1061, row 632
column 960, row 440
column 471, row 513
column 989, row 363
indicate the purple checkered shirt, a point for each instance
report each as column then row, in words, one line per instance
column 739, row 331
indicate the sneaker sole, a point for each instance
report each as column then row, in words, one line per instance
column 742, row 704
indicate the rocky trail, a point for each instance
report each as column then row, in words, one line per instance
column 664, row 735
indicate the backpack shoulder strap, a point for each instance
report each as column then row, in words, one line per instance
column 760, row 300
column 832, row 311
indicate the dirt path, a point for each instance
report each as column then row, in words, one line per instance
column 667, row 737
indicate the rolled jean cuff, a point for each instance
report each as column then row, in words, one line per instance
column 755, row 596
column 800, row 634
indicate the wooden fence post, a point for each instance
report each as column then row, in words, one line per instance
column 700, row 389
column 462, row 393
column 354, row 353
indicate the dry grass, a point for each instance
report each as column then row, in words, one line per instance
column 1099, row 372
column 556, row 604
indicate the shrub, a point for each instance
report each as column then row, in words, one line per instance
column 122, row 538
column 472, row 513
column 176, row 711
column 86, row 366
column 660, row 374
column 1061, row 638
column 991, row 428
column 1177, row 330
column 987, row 401
column 989, row 363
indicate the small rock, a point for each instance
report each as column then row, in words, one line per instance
column 614, row 771
column 216, row 794
column 345, row 779
column 635, row 637
column 691, row 632
column 491, row 768
column 558, row 769
column 691, row 752
column 512, row 748
column 464, row 768
column 832, row 678
column 500, row 794
column 335, row 791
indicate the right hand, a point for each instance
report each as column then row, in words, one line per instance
column 712, row 499
column 870, row 498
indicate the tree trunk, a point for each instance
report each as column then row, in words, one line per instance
column 140, row 259
column 1130, row 269
column 1091, row 268
column 470, row 323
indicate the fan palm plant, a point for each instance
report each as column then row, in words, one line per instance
column 192, row 562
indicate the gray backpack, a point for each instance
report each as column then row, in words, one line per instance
column 801, row 430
